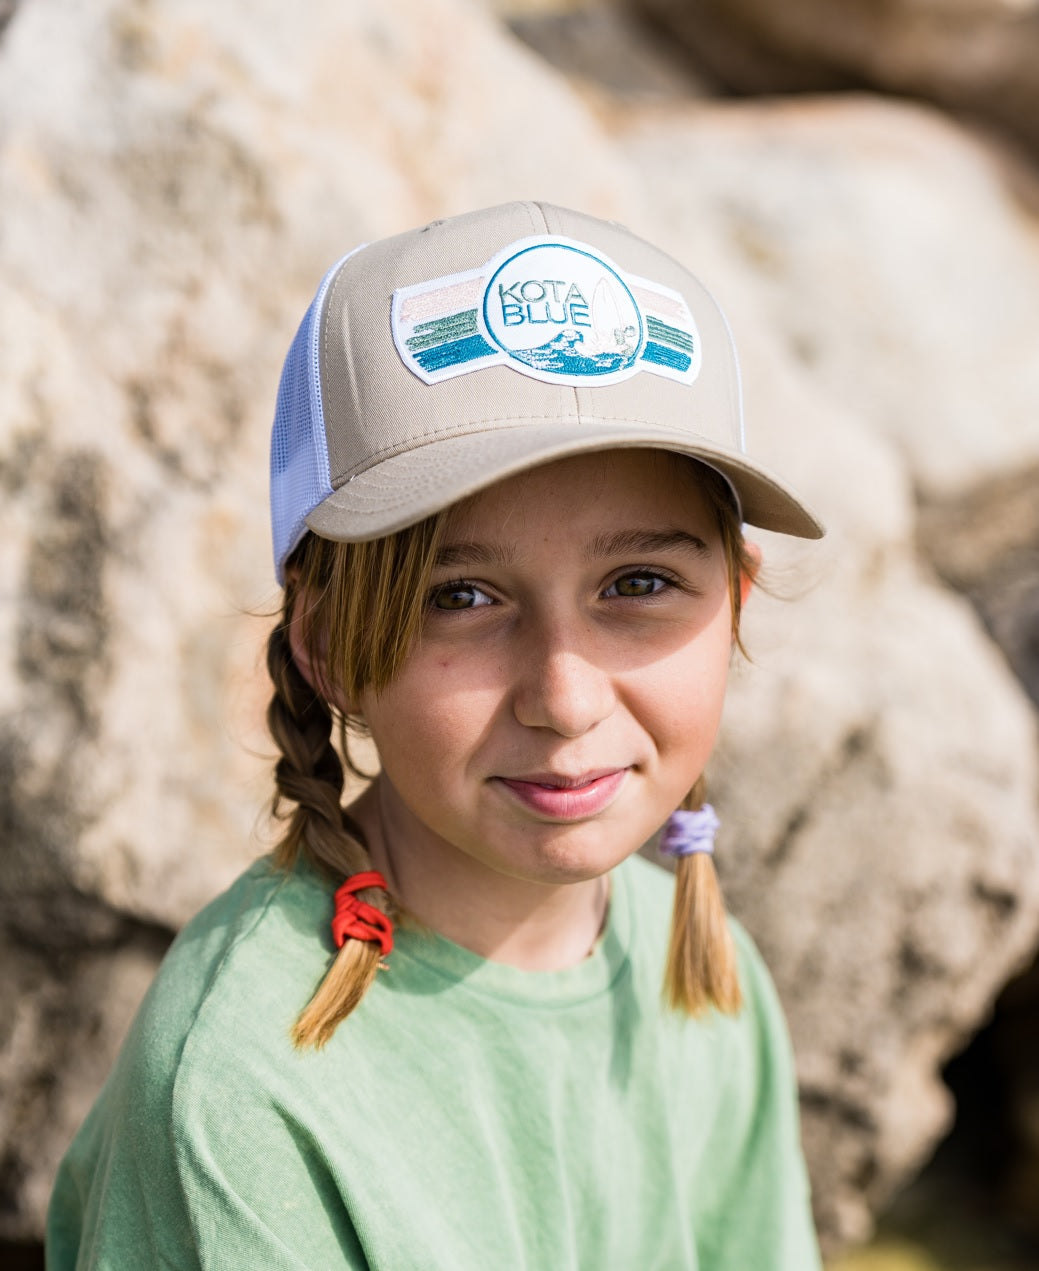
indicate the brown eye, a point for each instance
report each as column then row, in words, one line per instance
column 636, row 585
column 458, row 596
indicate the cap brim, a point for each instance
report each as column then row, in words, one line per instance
column 406, row 488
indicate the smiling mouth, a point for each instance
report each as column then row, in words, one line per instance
column 561, row 798
column 551, row 781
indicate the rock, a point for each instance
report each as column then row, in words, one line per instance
column 76, row 1004
column 977, row 56
column 986, row 544
column 895, row 256
column 147, row 314
column 1012, row 1038
column 7, row 11
column 874, row 767
column 605, row 47
column 889, row 851
column 174, row 180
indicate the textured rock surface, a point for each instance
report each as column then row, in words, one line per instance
column 7, row 8
column 977, row 56
column 604, row 46
column 62, row 1017
column 896, row 258
column 170, row 202
column 845, row 226
column 986, row 544
column 174, row 180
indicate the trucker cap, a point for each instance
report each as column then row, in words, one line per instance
column 439, row 361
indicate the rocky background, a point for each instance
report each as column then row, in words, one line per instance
column 174, row 179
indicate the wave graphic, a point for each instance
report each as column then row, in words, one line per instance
column 564, row 354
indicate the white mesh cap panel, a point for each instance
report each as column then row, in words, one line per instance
column 300, row 474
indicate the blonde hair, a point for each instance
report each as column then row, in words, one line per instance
column 359, row 608
column 701, row 969
column 363, row 605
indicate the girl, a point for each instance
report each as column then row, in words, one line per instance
column 447, row 1026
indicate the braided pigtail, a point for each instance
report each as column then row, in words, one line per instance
column 701, row 966
column 309, row 774
column 351, row 613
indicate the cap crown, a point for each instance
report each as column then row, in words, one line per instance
column 436, row 362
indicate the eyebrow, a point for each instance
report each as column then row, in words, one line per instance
column 461, row 554
column 616, row 543
column 624, row 542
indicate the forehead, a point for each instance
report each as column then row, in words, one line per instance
column 611, row 489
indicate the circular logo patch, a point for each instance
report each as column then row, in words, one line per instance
column 563, row 311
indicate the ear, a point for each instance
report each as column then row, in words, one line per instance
column 311, row 657
column 747, row 576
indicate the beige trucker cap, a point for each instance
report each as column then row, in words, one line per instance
column 434, row 363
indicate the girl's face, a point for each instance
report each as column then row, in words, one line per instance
column 567, row 686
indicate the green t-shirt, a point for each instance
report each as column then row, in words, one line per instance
column 468, row 1115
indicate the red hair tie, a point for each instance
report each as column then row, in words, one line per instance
column 358, row 919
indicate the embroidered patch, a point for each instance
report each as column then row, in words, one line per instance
column 550, row 308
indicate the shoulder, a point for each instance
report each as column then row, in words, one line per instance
column 190, row 1150
column 190, row 1074
column 232, row 982
column 222, row 1001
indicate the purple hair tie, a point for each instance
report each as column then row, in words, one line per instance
column 689, row 832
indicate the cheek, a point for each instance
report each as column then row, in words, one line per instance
column 688, row 693
column 427, row 727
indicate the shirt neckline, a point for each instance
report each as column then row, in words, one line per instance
column 417, row 952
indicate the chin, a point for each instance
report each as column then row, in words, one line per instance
column 570, row 857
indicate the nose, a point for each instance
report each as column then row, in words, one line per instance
column 560, row 686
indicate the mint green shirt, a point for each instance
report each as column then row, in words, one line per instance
column 468, row 1115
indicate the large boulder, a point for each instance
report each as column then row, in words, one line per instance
column 893, row 255
column 891, row 258
column 174, row 183
column 972, row 56
column 985, row 543
column 174, row 180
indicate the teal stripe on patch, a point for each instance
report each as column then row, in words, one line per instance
column 453, row 353
column 456, row 326
column 664, row 356
column 657, row 330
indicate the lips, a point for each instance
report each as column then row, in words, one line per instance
column 564, row 798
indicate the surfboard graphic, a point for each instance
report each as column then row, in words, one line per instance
column 611, row 331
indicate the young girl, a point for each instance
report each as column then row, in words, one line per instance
column 454, row 1024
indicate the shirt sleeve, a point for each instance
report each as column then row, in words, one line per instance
column 755, row 1205
column 195, row 1176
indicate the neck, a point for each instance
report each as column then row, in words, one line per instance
column 532, row 925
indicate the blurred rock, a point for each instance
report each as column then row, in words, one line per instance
column 974, row 56
column 895, row 256
column 873, row 762
column 603, row 45
column 62, row 1019
column 172, row 196
column 1016, row 1038
column 7, row 8
column 986, row 544
column 174, row 180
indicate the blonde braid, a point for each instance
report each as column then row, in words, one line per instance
column 310, row 775
column 701, row 968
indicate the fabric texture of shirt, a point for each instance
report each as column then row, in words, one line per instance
column 468, row 1115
